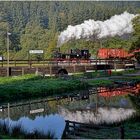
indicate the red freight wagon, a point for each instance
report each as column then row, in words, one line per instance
column 105, row 53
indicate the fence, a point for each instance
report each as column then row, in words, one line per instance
column 64, row 61
column 83, row 130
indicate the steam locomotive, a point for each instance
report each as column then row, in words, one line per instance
column 74, row 54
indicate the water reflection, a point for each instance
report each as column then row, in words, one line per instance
column 53, row 124
column 49, row 107
column 49, row 116
column 117, row 91
column 101, row 115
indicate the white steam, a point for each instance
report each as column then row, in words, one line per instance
column 91, row 29
column 103, row 115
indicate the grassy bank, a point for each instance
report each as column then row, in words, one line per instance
column 30, row 86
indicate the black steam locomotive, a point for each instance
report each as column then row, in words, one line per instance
column 74, row 54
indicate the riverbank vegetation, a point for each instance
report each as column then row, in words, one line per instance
column 32, row 86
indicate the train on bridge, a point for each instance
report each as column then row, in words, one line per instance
column 74, row 61
column 102, row 53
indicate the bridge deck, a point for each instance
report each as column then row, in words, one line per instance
column 21, row 67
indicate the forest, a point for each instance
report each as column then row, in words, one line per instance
column 37, row 24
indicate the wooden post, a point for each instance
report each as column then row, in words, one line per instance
column 36, row 71
column 115, row 64
column 122, row 132
column 66, row 130
column 15, row 63
column 124, row 64
column 44, row 101
column 22, row 71
column 43, row 60
column 50, row 70
column 8, row 110
column 97, row 102
column 29, row 106
column 74, row 68
column 74, row 128
column 85, row 68
column 96, row 64
column 2, row 62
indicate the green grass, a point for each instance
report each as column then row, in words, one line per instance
column 99, row 74
column 6, row 80
column 100, row 82
column 30, row 86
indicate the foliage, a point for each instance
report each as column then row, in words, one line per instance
column 136, row 40
column 36, row 24
column 96, row 83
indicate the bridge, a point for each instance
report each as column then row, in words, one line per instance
column 61, row 66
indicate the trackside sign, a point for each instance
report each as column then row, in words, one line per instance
column 37, row 111
column 35, row 51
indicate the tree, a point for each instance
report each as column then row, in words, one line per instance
column 3, row 34
column 52, row 46
column 34, row 37
column 136, row 36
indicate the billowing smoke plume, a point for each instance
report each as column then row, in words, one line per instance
column 90, row 29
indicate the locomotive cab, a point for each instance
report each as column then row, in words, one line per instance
column 85, row 54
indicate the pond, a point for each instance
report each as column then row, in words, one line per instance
column 49, row 115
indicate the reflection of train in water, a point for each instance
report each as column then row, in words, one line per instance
column 74, row 54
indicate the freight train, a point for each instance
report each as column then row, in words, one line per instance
column 103, row 53
column 108, row 53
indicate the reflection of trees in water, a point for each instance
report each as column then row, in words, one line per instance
column 24, row 110
column 70, row 103
column 136, row 102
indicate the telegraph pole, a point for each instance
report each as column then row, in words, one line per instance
column 8, row 52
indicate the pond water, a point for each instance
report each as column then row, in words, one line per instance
column 49, row 116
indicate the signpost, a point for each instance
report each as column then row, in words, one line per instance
column 36, row 51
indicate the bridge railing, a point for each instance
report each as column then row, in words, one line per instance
column 63, row 62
